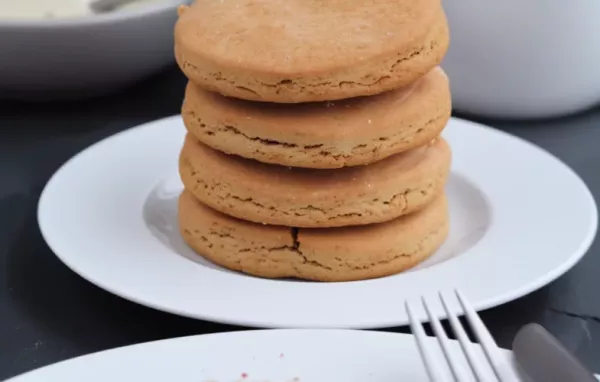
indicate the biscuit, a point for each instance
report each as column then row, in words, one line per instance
column 321, row 254
column 308, row 50
column 351, row 132
column 299, row 197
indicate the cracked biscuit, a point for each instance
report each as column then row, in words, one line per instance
column 299, row 197
column 308, row 50
column 322, row 254
column 351, row 132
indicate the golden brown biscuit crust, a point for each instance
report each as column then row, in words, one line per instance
column 298, row 197
column 351, row 132
column 309, row 50
column 334, row 254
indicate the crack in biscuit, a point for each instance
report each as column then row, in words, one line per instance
column 295, row 248
column 329, row 215
column 267, row 142
column 222, row 197
column 419, row 248
column 277, row 252
column 406, row 137
column 244, row 200
column 296, row 86
column 291, row 84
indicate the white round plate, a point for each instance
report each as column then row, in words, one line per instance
column 519, row 219
column 258, row 356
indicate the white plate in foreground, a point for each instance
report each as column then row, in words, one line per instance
column 519, row 219
column 256, row 356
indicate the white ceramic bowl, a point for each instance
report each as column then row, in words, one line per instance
column 518, row 59
column 79, row 57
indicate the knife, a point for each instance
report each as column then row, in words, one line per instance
column 544, row 359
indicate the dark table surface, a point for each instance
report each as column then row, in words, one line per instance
column 49, row 314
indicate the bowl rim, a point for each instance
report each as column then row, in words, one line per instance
column 97, row 19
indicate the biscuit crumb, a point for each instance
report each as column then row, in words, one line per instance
column 181, row 9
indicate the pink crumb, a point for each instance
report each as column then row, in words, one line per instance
column 244, row 375
column 281, row 355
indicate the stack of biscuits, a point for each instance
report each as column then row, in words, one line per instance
column 313, row 148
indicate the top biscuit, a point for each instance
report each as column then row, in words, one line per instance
column 308, row 50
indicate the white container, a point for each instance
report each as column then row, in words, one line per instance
column 523, row 59
column 78, row 57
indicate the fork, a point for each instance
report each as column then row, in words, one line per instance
column 476, row 367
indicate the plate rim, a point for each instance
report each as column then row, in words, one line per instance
column 368, row 335
column 479, row 305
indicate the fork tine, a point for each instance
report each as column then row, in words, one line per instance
column 431, row 365
column 485, row 339
column 459, row 373
column 464, row 341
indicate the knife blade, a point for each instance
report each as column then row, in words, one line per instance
column 544, row 359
